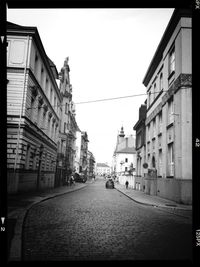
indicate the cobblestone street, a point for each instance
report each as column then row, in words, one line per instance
column 96, row 223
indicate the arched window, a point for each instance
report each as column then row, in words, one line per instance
column 153, row 162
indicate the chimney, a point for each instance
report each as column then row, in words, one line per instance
column 142, row 111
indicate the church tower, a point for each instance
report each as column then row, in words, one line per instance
column 121, row 135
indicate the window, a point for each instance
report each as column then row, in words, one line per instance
column 154, row 127
column 49, row 125
column 160, row 122
column 39, row 115
column 51, row 95
column 148, row 132
column 47, row 86
column 170, row 111
column 7, row 50
column 55, row 102
column 172, row 61
column 149, row 98
column 160, row 163
column 65, row 127
column 37, row 67
column 160, row 141
column 139, row 140
column 44, row 120
column 34, row 159
column 153, row 162
column 171, row 159
column 153, row 144
column 148, row 147
column 154, row 91
column 161, row 81
column 32, row 108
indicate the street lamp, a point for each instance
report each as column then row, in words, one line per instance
column 39, row 166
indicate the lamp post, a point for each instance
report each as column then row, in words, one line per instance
column 39, row 165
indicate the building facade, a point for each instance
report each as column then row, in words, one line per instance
column 77, row 160
column 91, row 165
column 33, row 112
column 68, row 128
column 124, row 157
column 83, row 155
column 168, row 81
column 41, row 125
column 140, row 129
column 103, row 169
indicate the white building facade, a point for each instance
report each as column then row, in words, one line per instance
column 102, row 169
column 124, row 159
column 169, row 112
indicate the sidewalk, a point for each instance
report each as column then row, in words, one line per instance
column 19, row 204
column 155, row 201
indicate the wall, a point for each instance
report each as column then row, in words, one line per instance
column 175, row 189
column 26, row 180
column 130, row 178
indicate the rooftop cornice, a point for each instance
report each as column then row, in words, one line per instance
column 176, row 16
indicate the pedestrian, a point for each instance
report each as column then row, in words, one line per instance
column 126, row 184
column 71, row 180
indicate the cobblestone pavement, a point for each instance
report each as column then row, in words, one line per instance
column 96, row 223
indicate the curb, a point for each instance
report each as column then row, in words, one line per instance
column 20, row 215
column 154, row 205
column 147, row 204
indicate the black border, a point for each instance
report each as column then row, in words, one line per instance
column 195, row 98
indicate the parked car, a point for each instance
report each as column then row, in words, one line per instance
column 110, row 184
column 80, row 177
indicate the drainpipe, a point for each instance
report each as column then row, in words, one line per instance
column 21, row 110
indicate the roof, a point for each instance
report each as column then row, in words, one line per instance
column 138, row 124
column 11, row 25
column 127, row 150
column 127, row 146
column 102, row 165
column 177, row 14
column 53, row 68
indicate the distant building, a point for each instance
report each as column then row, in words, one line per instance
column 77, row 160
column 83, row 156
column 91, row 165
column 103, row 169
column 68, row 128
column 124, row 157
column 168, row 81
column 140, row 129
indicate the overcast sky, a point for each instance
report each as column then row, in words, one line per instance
column 109, row 53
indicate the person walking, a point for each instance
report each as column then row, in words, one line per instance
column 126, row 184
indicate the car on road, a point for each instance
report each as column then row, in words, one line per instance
column 110, row 184
column 80, row 177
